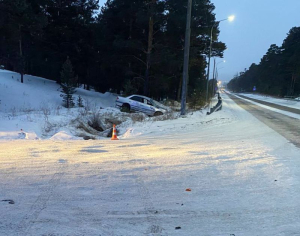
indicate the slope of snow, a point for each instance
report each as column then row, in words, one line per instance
column 35, row 106
column 39, row 93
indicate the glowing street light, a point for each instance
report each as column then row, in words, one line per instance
column 230, row 18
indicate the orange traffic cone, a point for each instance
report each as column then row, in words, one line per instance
column 114, row 134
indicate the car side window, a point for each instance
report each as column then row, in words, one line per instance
column 136, row 98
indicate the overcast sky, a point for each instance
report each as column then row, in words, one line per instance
column 258, row 24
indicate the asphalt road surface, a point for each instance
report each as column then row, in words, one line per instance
column 286, row 126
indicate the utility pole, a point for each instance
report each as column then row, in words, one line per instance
column 185, row 74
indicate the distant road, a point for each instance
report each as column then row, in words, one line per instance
column 287, row 126
column 280, row 107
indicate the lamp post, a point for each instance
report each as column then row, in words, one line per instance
column 230, row 18
column 215, row 74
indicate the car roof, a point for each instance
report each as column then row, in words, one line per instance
column 140, row 96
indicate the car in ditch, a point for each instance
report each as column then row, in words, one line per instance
column 139, row 103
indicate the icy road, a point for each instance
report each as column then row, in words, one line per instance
column 243, row 177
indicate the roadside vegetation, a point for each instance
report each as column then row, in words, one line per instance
column 277, row 74
column 128, row 47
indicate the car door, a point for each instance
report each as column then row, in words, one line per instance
column 141, row 104
column 136, row 103
column 149, row 107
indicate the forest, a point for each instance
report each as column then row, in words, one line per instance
column 126, row 46
column 277, row 74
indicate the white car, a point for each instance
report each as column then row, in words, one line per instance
column 138, row 103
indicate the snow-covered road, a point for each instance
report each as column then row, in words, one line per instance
column 282, row 122
column 243, row 176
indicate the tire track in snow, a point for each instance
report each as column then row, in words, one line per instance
column 40, row 204
column 150, row 211
column 148, row 207
column 104, row 229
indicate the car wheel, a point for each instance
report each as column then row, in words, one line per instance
column 125, row 108
column 158, row 113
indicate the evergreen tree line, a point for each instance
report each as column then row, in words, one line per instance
column 278, row 72
column 134, row 46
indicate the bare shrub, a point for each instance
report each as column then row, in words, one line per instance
column 83, row 111
column 28, row 116
column 13, row 112
column 166, row 116
column 57, row 110
column 87, row 105
column 82, row 126
column 95, row 121
column 111, row 119
column 174, row 105
column 87, row 108
column 27, row 110
column 138, row 117
column 48, row 127
column 46, row 111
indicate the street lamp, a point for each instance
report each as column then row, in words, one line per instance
column 230, row 18
column 216, row 66
column 215, row 74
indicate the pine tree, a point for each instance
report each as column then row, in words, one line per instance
column 21, row 23
column 68, row 83
column 278, row 72
column 80, row 101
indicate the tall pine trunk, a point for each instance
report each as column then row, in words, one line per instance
column 149, row 48
column 179, row 89
column 21, row 63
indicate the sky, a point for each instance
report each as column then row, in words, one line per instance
column 258, row 24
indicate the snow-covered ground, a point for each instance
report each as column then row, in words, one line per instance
column 33, row 110
column 243, row 178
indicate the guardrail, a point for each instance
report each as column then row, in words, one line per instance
column 217, row 107
column 292, row 98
